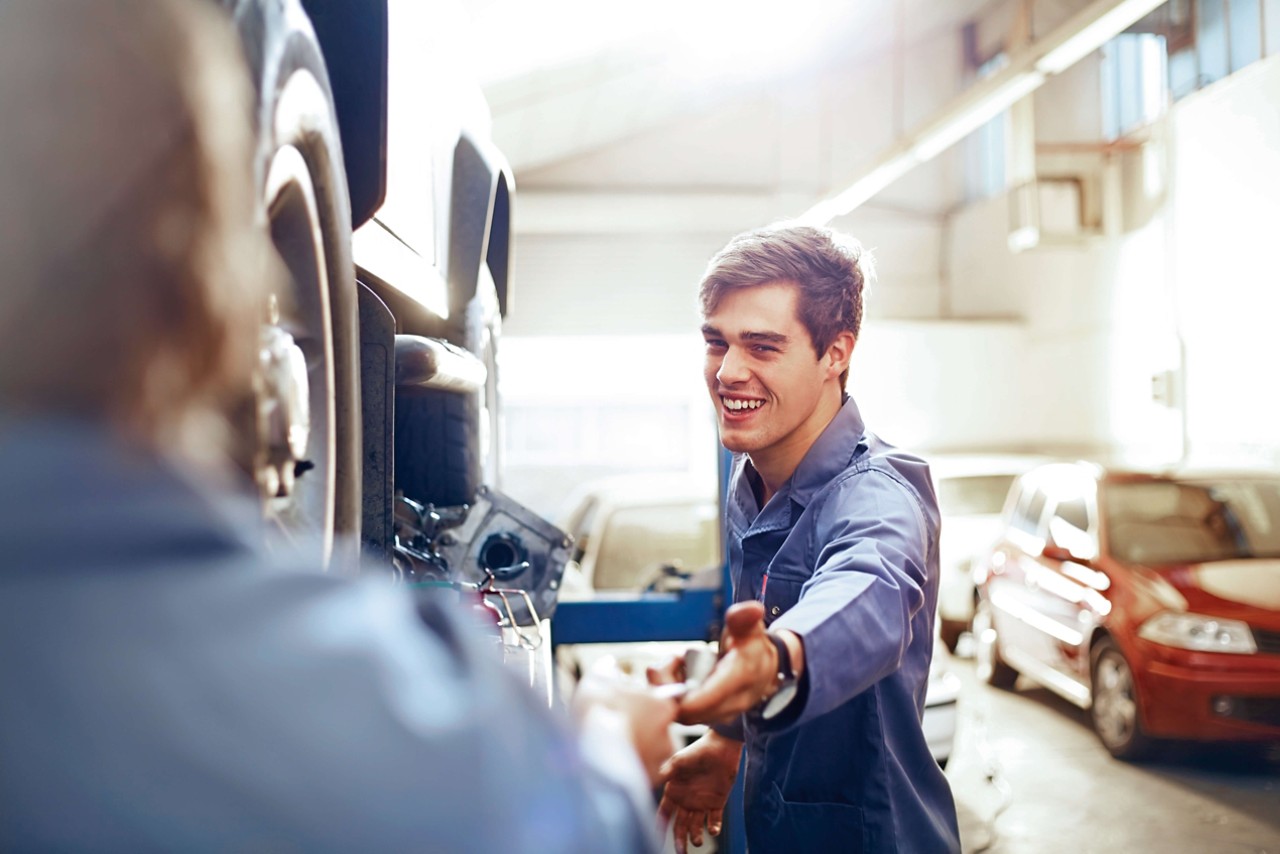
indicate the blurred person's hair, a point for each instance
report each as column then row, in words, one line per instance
column 134, row 273
column 829, row 270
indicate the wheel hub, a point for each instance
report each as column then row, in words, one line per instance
column 284, row 410
column 1113, row 705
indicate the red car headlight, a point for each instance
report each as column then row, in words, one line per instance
column 1199, row 633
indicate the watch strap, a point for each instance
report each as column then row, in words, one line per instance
column 785, row 672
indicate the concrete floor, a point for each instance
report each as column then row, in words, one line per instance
column 1030, row 777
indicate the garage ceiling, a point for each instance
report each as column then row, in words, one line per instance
column 568, row 77
column 568, row 80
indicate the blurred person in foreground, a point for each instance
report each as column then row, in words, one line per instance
column 832, row 541
column 167, row 683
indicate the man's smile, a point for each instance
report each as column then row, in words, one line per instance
column 738, row 409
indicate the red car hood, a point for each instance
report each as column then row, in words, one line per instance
column 1246, row 590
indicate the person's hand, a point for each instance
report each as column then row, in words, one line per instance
column 745, row 675
column 673, row 672
column 698, row 780
column 647, row 718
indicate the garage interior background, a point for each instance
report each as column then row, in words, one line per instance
column 1089, row 272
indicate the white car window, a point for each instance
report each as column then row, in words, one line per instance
column 639, row 540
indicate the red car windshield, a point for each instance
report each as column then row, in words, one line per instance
column 1167, row 522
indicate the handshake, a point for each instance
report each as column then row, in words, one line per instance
column 697, row 688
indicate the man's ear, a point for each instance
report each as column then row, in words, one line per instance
column 840, row 352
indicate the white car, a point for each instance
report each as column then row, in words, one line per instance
column 627, row 529
column 972, row 489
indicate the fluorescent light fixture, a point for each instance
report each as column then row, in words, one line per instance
column 933, row 142
column 1105, row 24
column 859, row 191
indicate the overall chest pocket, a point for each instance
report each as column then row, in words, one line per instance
column 780, row 593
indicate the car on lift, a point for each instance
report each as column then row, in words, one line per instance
column 971, row 490
column 377, row 422
column 662, row 533
column 389, row 205
column 1152, row 599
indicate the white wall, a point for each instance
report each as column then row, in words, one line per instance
column 1226, row 208
column 580, row 407
column 1104, row 315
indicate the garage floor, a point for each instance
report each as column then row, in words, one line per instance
column 1030, row 776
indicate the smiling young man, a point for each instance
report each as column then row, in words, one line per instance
column 832, row 540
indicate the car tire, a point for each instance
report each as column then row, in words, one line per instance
column 303, row 190
column 990, row 667
column 447, row 443
column 1116, row 709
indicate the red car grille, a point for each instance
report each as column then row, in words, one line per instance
column 1268, row 642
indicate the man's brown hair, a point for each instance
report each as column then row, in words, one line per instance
column 829, row 270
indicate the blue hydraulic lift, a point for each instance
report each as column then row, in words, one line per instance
column 687, row 615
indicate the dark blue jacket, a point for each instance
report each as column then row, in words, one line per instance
column 846, row 556
column 165, row 685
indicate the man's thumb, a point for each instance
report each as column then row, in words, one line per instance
column 744, row 618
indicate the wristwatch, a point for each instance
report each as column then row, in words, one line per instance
column 787, row 685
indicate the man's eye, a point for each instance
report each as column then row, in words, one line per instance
column 715, row 344
column 765, row 348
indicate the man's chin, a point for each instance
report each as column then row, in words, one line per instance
column 736, row 444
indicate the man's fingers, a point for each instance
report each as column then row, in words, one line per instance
column 666, row 810
column 744, row 618
column 683, row 829
column 672, row 671
column 728, row 691
column 715, row 820
column 701, row 703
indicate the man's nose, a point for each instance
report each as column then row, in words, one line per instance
column 733, row 368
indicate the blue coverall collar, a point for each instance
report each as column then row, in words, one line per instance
column 842, row 439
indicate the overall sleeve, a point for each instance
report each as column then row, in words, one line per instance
column 870, row 544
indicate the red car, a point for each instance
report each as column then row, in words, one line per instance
column 1153, row 600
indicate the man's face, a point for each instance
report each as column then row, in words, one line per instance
column 773, row 395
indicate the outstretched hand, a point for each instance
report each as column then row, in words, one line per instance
column 646, row 717
column 698, row 781
column 745, row 675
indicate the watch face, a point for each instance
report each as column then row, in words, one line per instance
column 780, row 700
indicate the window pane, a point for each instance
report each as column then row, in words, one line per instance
column 1271, row 26
column 985, row 175
column 1074, row 513
column 1183, row 72
column 973, row 496
column 1211, row 39
column 1246, row 44
column 1166, row 522
column 1027, row 516
column 638, row 541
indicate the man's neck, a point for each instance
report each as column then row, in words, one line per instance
column 776, row 464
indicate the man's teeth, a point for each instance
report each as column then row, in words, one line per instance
column 737, row 405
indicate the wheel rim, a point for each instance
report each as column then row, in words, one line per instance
column 984, row 635
column 1115, row 708
column 297, row 478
